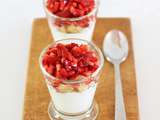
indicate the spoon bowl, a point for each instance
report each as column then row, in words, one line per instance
column 115, row 46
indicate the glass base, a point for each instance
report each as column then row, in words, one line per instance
column 91, row 114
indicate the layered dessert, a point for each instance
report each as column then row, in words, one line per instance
column 71, row 18
column 70, row 69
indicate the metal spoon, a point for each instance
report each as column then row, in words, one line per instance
column 115, row 48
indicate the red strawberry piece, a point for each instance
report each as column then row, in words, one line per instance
column 76, row 12
column 67, row 22
column 58, row 67
column 74, row 4
column 67, row 7
column 83, row 48
column 65, row 14
column 81, row 7
column 87, row 3
column 58, row 22
column 50, row 7
column 57, row 82
column 49, row 60
column 72, row 10
column 76, row 51
column 74, row 62
column 84, row 23
column 68, row 56
column 95, row 68
column 51, row 69
column 63, row 73
column 70, row 46
column 81, row 70
column 91, row 57
column 77, row 1
column 53, row 7
column 54, row 50
column 67, row 65
column 57, row 74
column 46, row 67
column 49, row 2
column 62, row 4
column 81, row 12
column 71, row 73
column 86, row 10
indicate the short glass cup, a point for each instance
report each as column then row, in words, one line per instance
column 73, row 99
column 80, row 27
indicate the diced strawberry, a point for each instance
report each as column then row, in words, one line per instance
column 51, row 69
column 67, row 7
column 57, row 82
column 49, row 60
column 67, row 65
column 70, row 46
column 76, row 12
column 71, row 73
column 76, row 51
column 83, row 48
column 74, row 4
column 45, row 67
column 62, row 4
column 49, row 2
column 70, row 61
column 63, row 73
column 78, row 1
column 53, row 7
column 58, row 22
column 65, row 14
column 58, row 67
column 84, row 23
column 80, row 6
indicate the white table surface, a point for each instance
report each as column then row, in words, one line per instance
column 15, row 31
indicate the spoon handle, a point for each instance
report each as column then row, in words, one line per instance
column 120, row 113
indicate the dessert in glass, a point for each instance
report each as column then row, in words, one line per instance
column 71, row 68
column 71, row 18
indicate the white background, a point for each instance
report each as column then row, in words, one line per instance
column 16, row 18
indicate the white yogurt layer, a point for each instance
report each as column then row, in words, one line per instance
column 73, row 102
column 84, row 34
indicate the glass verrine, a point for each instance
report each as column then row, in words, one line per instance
column 79, row 27
column 73, row 99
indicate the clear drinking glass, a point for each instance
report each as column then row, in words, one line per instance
column 80, row 27
column 68, row 103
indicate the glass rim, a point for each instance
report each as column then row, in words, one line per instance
column 71, row 19
column 91, row 44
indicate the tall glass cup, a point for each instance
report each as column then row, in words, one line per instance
column 80, row 27
column 73, row 99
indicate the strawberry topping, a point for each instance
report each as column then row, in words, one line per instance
column 68, row 61
column 70, row 8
